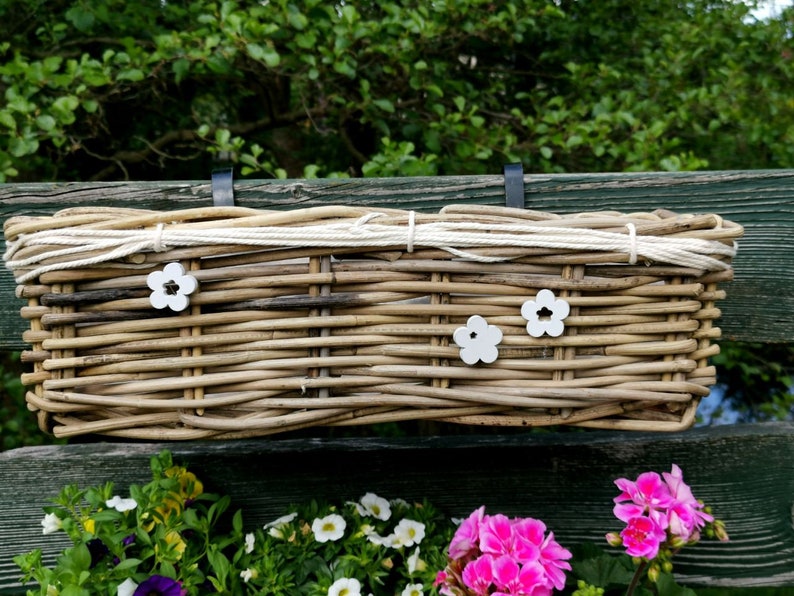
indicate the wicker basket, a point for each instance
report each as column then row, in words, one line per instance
column 346, row 316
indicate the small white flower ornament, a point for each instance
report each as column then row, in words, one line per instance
column 171, row 287
column 545, row 314
column 478, row 340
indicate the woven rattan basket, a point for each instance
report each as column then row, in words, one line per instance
column 345, row 316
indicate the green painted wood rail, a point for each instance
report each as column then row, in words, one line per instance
column 745, row 471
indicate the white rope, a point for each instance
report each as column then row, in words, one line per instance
column 409, row 246
column 632, row 243
column 98, row 246
column 158, row 238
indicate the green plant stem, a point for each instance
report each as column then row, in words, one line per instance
column 636, row 579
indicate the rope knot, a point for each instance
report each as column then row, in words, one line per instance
column 157, row 243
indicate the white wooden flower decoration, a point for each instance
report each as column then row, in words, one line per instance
column 545, row 314
column 478, row 340
column 171, row 287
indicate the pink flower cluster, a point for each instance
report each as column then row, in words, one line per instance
column 657, row 509
column 493, row 554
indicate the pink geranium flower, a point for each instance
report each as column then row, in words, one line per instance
column 648, row 495
column 496, row 535
column 478, row 575
column 642, row 537
column 512, row 578
column 660, row 513
column 530, row 535
column 685, row 516
column 554, row 560
column 501, row 556
column 467, row 536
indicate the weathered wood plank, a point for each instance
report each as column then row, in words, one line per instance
column 745, row 472
column 760, row 304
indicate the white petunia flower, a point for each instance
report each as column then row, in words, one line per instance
column 409, row 532
column 281, row 521
column 120, row 504
column 275, row 527
column 126, row 588
column 51, row 523
column 415, row 563
column 247, row 574
column 331, row 527
column 249, row 543
column 413, row 590
column 345, row 587
column 171, row 287
column 376, row 506
column 379, row 540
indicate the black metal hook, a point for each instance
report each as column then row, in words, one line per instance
column 223, row 187
column 514, row 185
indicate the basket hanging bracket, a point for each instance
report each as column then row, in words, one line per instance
column 514, row 185
column 222, row 187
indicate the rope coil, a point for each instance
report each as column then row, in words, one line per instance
column 61, row 249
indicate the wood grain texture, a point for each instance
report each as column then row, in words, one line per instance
column 746, row 473
column 760, row 303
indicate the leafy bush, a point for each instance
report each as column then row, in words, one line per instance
column 389, row 88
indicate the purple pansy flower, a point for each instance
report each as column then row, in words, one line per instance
column 158, row 585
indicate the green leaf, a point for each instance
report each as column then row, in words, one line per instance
column 306, row 40
column 385, row 104
column 264, row 53
column 666, row 586
column 222, row 136
column 601, row 569
column 131, row 74
column 127, row 564
column 81, row 18
column 8, row 120
column 21, row 146
column 180, row 68
column 63, row 108
column 46, row 122
column 344, row 67
column 546, row 152
column 80, row 557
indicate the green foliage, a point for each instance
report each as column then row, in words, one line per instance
column 170, row 528
column 163, row 90
column 757, row 380
column 18, row 426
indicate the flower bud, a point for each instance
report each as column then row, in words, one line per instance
column 677, row 542
column 720, row 532
column 667, row 566
column 653, row 572
column 614, row 539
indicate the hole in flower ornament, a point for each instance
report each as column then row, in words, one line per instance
column 545, row 314
column 171, row 287
column 478, row 340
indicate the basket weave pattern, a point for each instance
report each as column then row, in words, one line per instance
column 304, row 333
